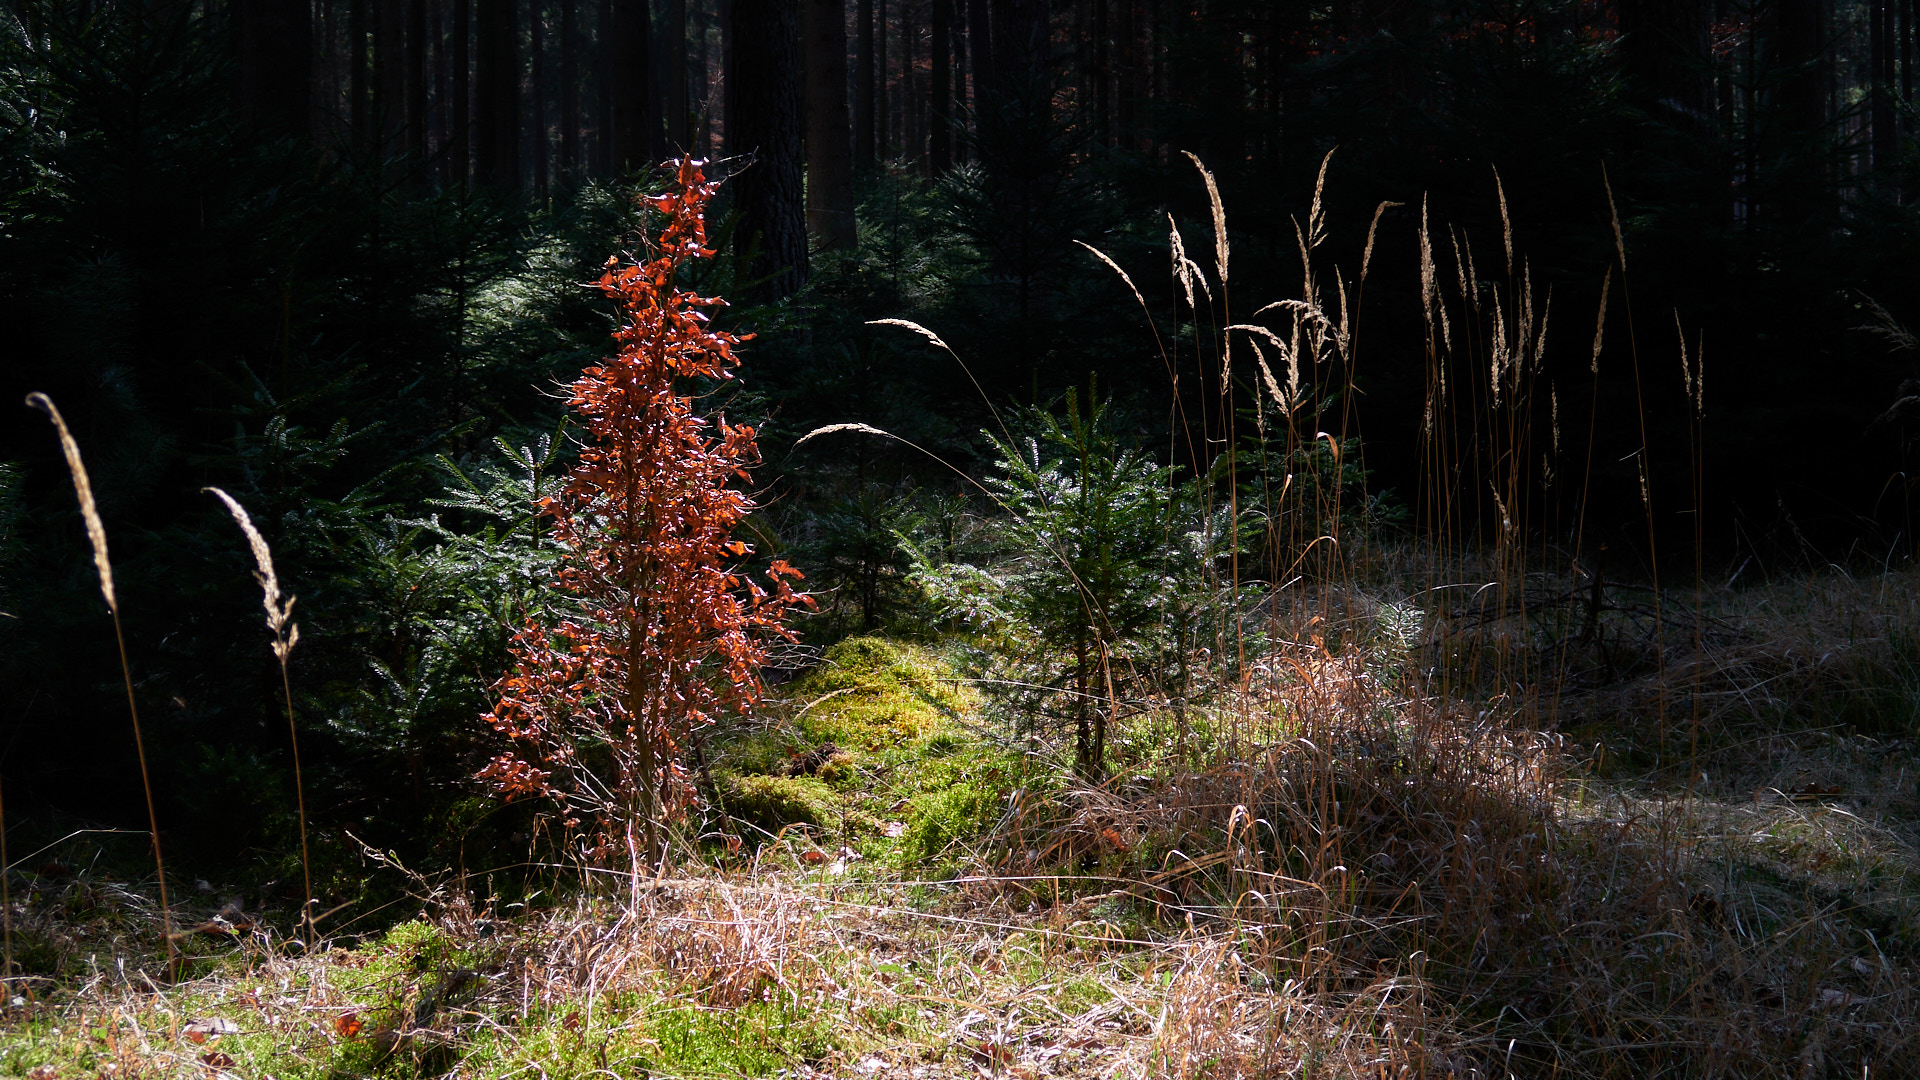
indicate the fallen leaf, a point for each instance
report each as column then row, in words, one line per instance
column 988, row 1053
column 347, row 1026
column 894, row 828
column 572, row 1022
column 218, row 1060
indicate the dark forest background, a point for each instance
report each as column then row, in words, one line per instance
column 333, row 255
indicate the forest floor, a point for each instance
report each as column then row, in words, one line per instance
column 1680, row 861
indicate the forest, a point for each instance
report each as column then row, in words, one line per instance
column 953, row 538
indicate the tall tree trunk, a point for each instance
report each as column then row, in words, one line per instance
column 416, row 89
column 679, row 117
column 1906, row 54
column 276, row 61
column 357, row 72
column 1800, row 39
column 766, row 123
column 829, row 139
column 537, row 92
column 1800, row 46
column 603, row 89
column 569, row 89
column 460, row 116
column 702, row 80
column 960, row 97
column 940, row 107
column 1102, row 73
column 439, row 115
column 497, row 73
column 913, row 145
column 863, row 131
column 1083, row 58
column 389, row 76
column 882, row 100
column 1881, row 50
column 728, row 107
column 980, row 44
column 629, row 75
column 1127, row 81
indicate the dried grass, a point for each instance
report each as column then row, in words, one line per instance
column 286, row 634
column 97, row 535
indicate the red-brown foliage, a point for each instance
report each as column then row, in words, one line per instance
column 668, row 632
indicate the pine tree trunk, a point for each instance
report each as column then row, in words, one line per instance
column 863, row 131
column 276, row 59
column 603, row 90
column 1906, row 54
column 1886, row 133
column 703, row 81
column 537, row 92
column 959, row 36
column 1127, row 80
column 1102, row 74
column 980, row 44
column 389, row 77
column 940, row 106
column 416, row 89
column 439, row 121
column 882, row 100
column 913, row 147
column 679, row 117
column 829, row 139
column 1799, row 30
column 728, row 109
column 497, row 75
column 460, row 115
column 569, row 89
column 358, row 72
column 627, row 40
column 765, row 81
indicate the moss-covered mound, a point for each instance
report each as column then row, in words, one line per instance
column 878, row 754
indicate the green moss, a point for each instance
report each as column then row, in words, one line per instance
column 758, row 1039
column 943, row 816
column 626, row 1035
column 868, row 693
column 775, row 802
column 910, row 784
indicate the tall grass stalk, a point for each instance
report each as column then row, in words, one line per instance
column 97, row 533
column 286, row 634
column 6, row 897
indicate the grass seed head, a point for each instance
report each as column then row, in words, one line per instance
column 286, row 634
column 83, row 488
